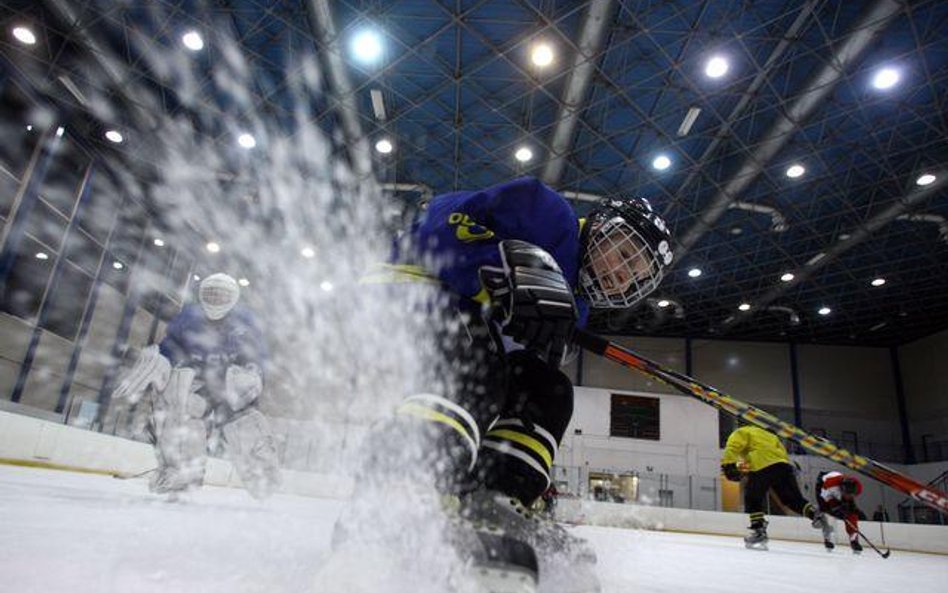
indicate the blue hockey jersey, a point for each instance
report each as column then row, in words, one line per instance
column 460, row 231
column 209, row 347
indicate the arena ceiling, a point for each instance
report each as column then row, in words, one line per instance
column 454, row 88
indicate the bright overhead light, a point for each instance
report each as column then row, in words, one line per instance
column 42, row 255
column 694, row 272
column 213, row 247
column 196, row 278
column 663, row 303
column 794, row 171
column 523, row 154
column 308, row 252
column 661, row 162
column 366, row 46
column 716, row 67
column 878, row 282
column 193, row 41
column 118, row 265
column 824, row 311
column 542, row 55
column 787, row 277
column 114, row 136
column 29, row 128
column 159, row 242
column 885, row 78
column 24, row 35
column 326, row 285
column 60, row 131
column 744, row 307
column 243, row 282
column 384, row 146
column 246, row 141
column 925, row 179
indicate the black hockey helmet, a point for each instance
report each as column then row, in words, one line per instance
column 850, row 485
column 626, row 250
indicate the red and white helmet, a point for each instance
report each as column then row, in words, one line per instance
column 626, row 250
column 218, row 294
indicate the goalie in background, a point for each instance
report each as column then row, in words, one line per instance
column 207, row 377
column 836, row 495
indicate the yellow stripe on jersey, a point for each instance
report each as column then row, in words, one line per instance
column 398, row 274
column 426, row 413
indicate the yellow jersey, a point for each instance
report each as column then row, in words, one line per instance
column 756, row 446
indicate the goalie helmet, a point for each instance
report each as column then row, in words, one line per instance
column 626, row 250
column 218, row 294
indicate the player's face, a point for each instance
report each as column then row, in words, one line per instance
column 623, row 261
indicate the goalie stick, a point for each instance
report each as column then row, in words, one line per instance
column 866, row 539
column 925, row 494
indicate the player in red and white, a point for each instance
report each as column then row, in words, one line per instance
column 836, row 495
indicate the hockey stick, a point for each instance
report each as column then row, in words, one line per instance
column 133, row 476
column 866, row 539
column 934, row 498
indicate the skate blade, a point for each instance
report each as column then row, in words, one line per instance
column 505, row 579
column 762, row 546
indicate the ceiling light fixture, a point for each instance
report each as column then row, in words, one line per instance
column 384, row 146
column 243, row 282
column 114, row 136
column 716, row 67
column 824, row 311
column 193, row 41
column 663, row 303
column 24, row 35
column 661, row 162
column 886, row 78
column 542, row 55
column 523, row 154
column 925, row 179
column 878, row 282
column 42, row 255
column 308, row 252
column 796, row 170
column 694, row 272
column 787, row 277
column 246, row 141
column 158, row 242
column 690, row 117
column 367, row 46
column 118, row 265
column 213, row 247
column 326, row 285
column 744, row 307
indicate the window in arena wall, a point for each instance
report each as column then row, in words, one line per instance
column 634, row 417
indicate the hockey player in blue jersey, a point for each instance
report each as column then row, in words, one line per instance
column 207, row 376
column 520, row 271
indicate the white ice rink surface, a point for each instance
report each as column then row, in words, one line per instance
column 66, row 532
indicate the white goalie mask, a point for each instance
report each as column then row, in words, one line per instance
column 218, row 294
column 627, row 249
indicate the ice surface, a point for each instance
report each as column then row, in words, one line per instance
column 61, row 531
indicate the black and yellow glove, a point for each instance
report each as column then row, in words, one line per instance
column 731, row 472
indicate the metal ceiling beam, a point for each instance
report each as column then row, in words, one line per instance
column 577, row 87
column 324, row 28
column 912, row 199
column 820, row 87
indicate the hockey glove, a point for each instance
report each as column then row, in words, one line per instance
column 531, row 300
column 731, row 472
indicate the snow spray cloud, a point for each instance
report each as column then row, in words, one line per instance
column 232, row 148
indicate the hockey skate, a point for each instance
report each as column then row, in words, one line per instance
column 856, row 546
column 757, row 538
column 566, row 563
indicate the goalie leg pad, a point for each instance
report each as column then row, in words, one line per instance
column 182, row 460
column 179, row 401
column 150, row 370
column 252, row 449
column 242, row 386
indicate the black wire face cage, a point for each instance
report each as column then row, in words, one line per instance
column 614, row 236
